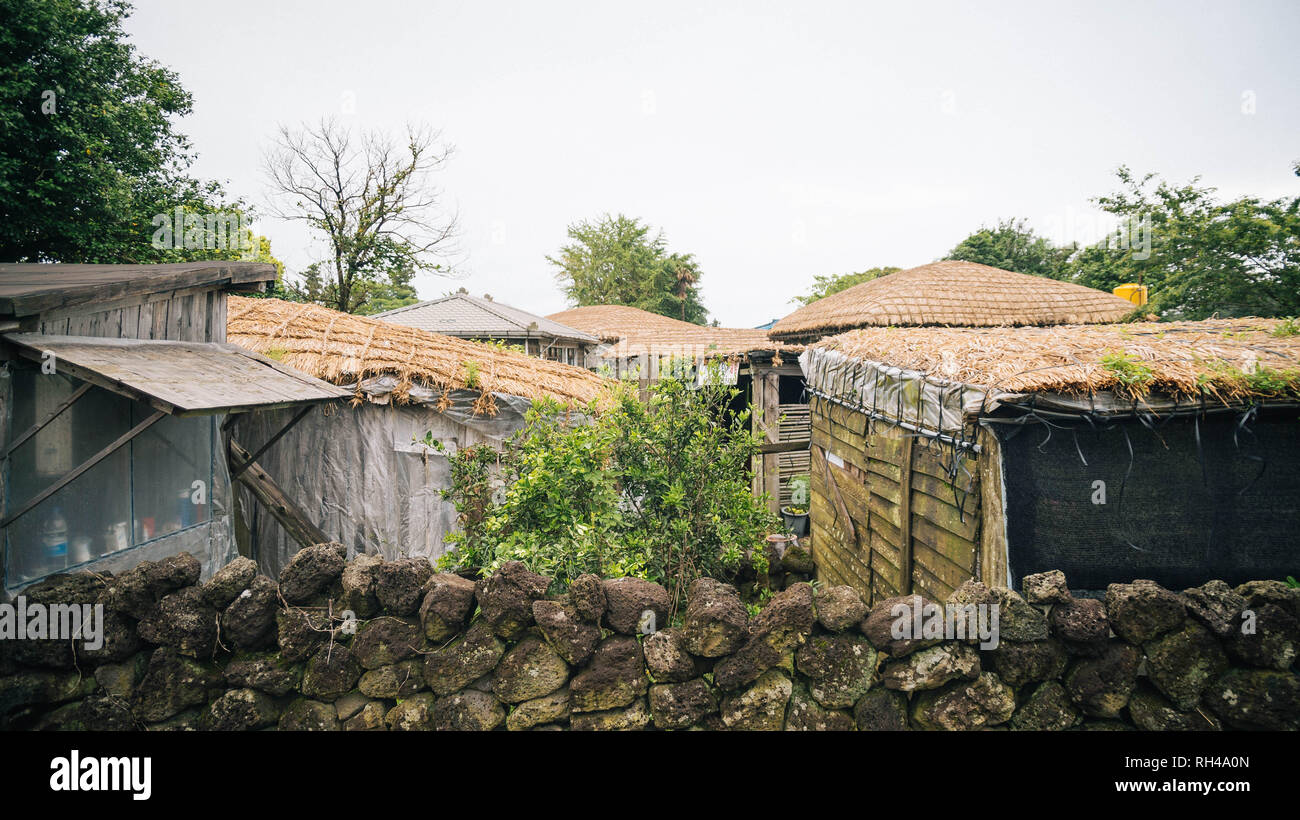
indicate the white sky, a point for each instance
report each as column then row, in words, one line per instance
column 774, row 142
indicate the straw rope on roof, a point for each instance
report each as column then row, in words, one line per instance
column 344, row 349
column 953, row 293
column 632, row 331
column 1228, row 360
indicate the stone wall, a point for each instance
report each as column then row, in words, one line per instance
column 439, row 651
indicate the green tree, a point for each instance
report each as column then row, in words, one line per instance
column 1012, row 245
column 372, row 199
column 88, row 150
column 824, row 286
column 1197, row 255
column 615, row 260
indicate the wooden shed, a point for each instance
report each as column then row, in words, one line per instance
column 640, row 345
column 115, row 382
column 1111, row 452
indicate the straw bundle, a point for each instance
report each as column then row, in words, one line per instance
column 345, row 349
column 633, row 331
column 1231, row 360
column 953, row 293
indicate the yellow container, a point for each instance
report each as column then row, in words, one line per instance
column 1137, row 294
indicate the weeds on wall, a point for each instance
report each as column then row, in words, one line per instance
column 658, row 490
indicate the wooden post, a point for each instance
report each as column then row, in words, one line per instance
column 905, row 518
column 292, row 517
column 993, row 524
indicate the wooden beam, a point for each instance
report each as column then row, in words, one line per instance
column 40, row 425
column 292, row 517
column 783, row 447
column 992, row 562
column 905, row 518
column 272, row 440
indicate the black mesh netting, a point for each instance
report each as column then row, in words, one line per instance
column 1175, row 511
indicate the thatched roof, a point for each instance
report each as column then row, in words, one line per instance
column 1231, row 360
column 632, row 331
column 960, row 294
column 346, row 349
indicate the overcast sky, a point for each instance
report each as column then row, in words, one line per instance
column 774, row 142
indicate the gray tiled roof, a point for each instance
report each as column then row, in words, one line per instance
column 476, row 318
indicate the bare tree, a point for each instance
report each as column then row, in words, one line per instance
column 372, row 198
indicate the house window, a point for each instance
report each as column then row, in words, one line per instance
column 571, row 353
column 144, row 490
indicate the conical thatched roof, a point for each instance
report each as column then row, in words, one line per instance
column 957, row 294
column 632, row 331
column 346, row 349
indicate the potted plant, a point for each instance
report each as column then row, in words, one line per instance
column 796, row 515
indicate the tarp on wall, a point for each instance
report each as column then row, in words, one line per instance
column 360, row 474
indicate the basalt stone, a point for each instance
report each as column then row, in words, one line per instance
column 66, row 718
column 106, row 713
column 840, row 668
column 965, row 705
column 1082, row 625
column 1143, row 610
column 398, row 680
column 172, row 683
column 300, row 632
column 1018, row 620
column 386, row 640
column 506, row 597
column 798, row 559
column 357, row 586
column 631, row 718
column 532, row 669
column 310, row 571
column 667, row 658
column 120, row 679
column 681, row 705
column 1258, row 593
column 264, row 671
column 1046, row 588
column 571, row 636
column 1020, row 663
column 587, row 594
column 550, row 708
column 761, row 706
column 627, row 600
column 463, row 661
column 782, row 626
column 839, row 608
column 879, row 628
column 1215, row 605
column 29, row 687
column 468, row 711
column 415, row 714
column 120, row 639
column 129, row 593
column 172, row 573
column 307, row 715
column 804, row 714
column 932, row 668
column 350, row 704
column 1101, row 686
column 1153, row 713
column 240, row 710
column 1183, row 662
column 184, row 621
column 1273, row 641
column 881, row 710
column 371, row 718
column 399, row 585
column 1047, row 709
column 249, row 622
column 331, row 673
column 614, row 677
column 448, row 602
column 63, row 598
column 226, row 584
column 1256, row 699
column 716, row 622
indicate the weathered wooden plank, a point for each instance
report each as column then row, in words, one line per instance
column 905, row 515
column 940, row 567
column 885, row 488
column 928, row 585
column 993, row 527
column 960, row 551
column 959, row 495
column 946, row 515
column 886, row 469
column 283, row 508
column 885, row 509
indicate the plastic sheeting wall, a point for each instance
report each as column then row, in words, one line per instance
column 360, row 477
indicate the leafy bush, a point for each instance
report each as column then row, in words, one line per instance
column 659, row 490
